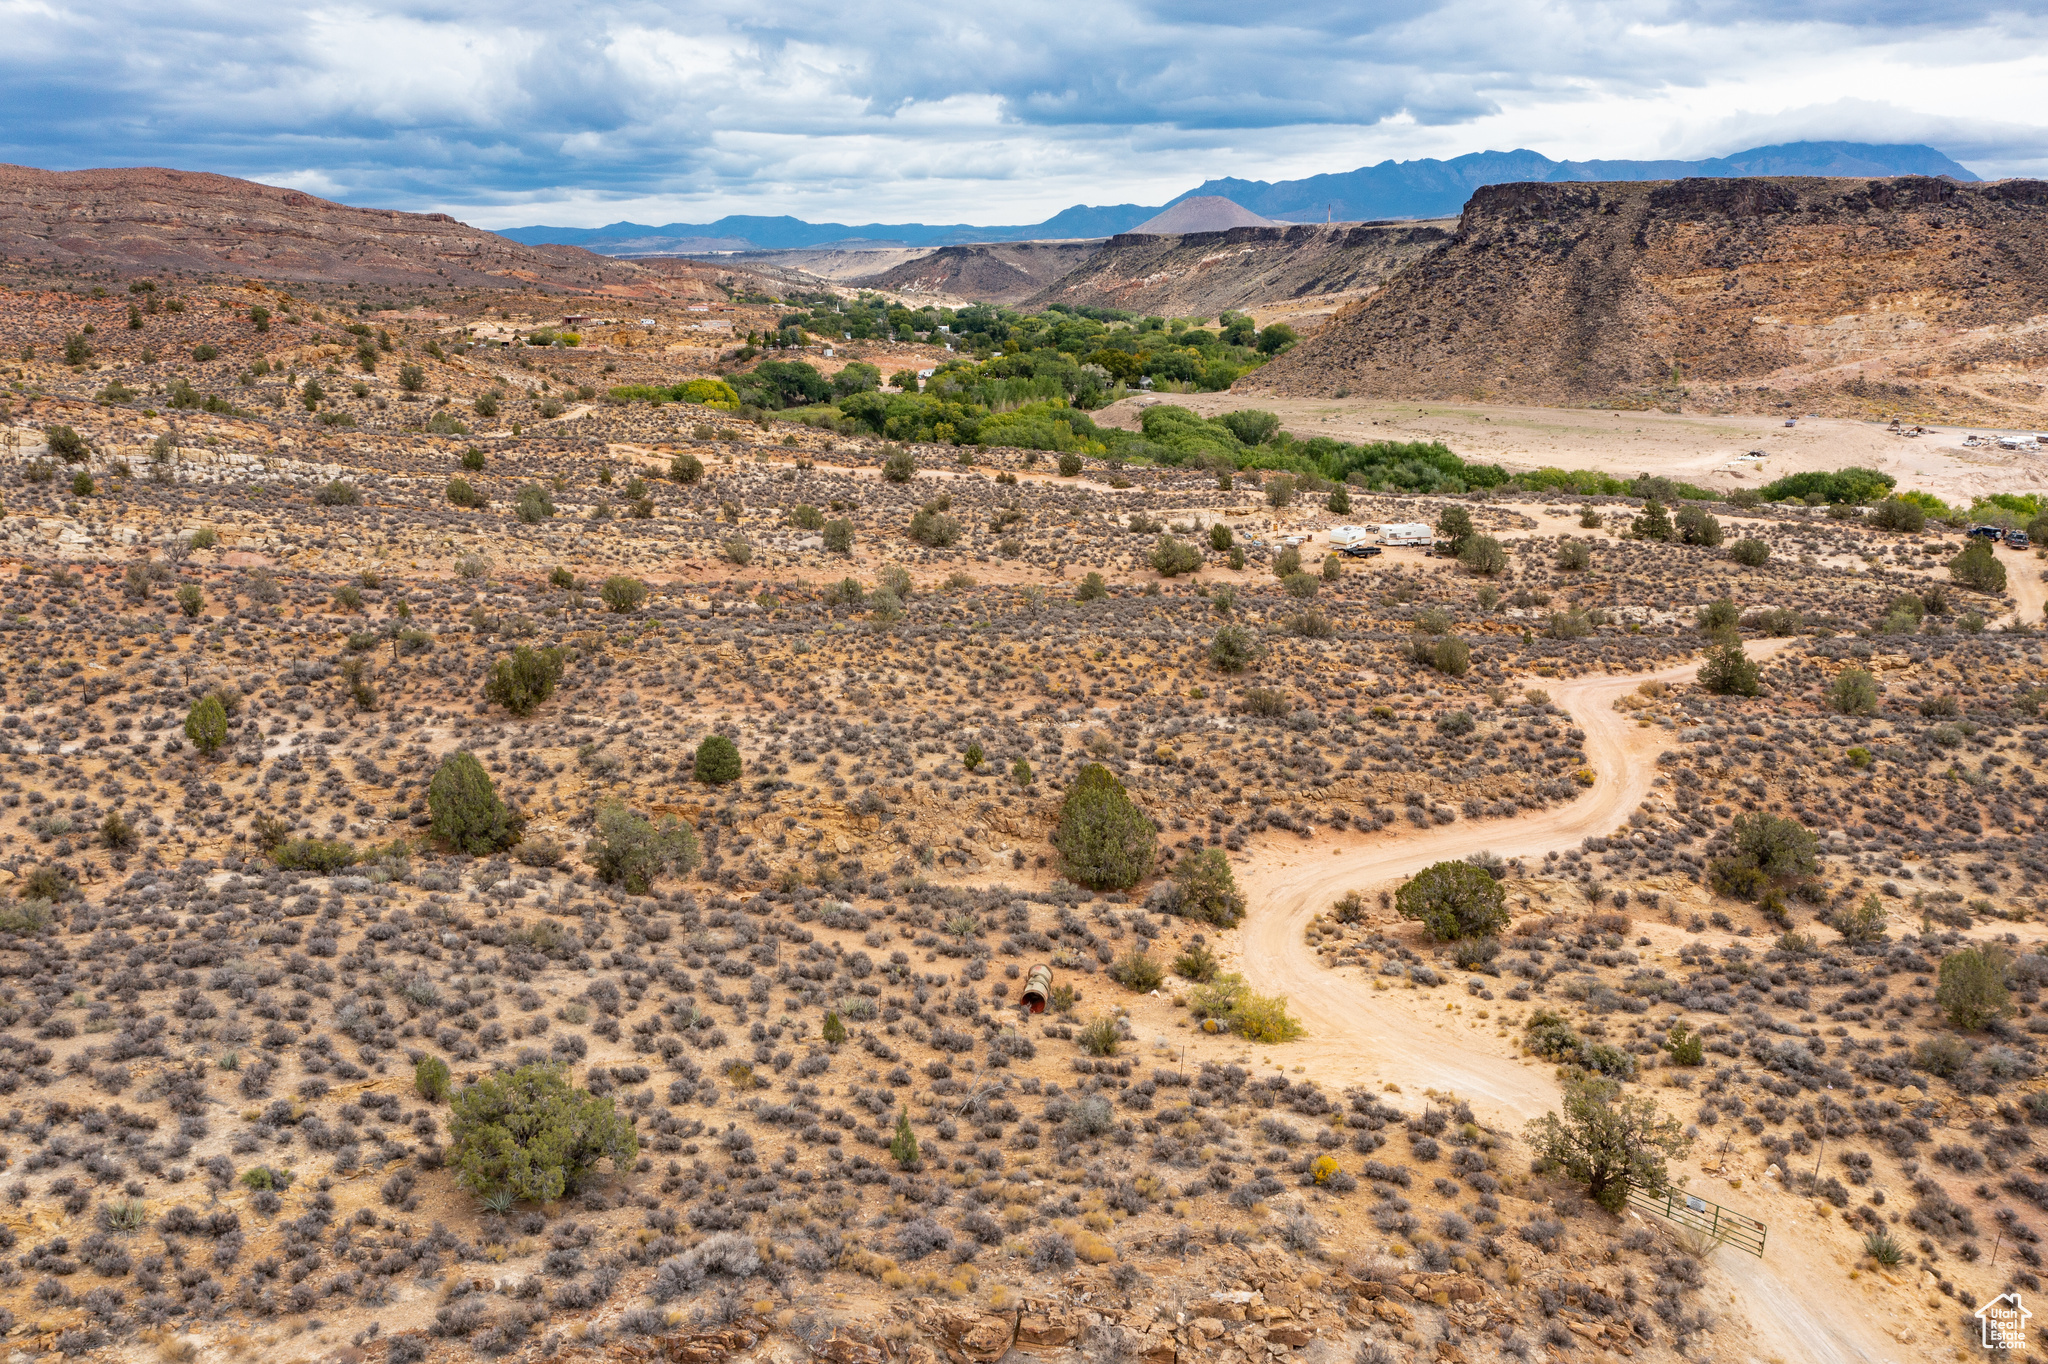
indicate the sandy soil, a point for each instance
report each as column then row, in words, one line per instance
column 2023, row 580
column 1697, row 449
column 1358, row 1035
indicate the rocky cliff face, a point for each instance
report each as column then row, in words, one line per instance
column 1208, row 272
column 1910, row 294
column 161, row 220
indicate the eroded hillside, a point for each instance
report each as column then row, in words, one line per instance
column 1914, row 296
column 148, row 218
column 1207, row 273
column 1005, row 272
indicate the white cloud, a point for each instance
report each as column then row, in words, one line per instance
column 1000, row 112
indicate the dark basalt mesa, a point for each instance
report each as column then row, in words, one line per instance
column 1721, row 293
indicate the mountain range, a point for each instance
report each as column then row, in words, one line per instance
column 1391, row 190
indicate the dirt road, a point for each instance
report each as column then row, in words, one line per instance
column 1286, row 888
column 2023, row 580
column 1358, row 1035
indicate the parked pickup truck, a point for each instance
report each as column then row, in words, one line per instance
column 1360, row 551
column 2017, row 539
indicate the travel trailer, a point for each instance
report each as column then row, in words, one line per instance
column 1407, row 535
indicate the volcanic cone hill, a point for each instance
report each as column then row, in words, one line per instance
column 1904, row 294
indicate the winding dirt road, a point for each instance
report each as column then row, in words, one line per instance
column 1359, row 1035
column 1286, row 888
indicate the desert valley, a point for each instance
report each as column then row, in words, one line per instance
column 1470, row 789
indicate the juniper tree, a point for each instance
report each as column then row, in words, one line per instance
column 528, row 1133
column 523, row 679
column 1104, row 840
column 1454, row 900
column 630, row 851
column 206, row 724
column 466, row 811
column 717, row 761
column 1608, row 1141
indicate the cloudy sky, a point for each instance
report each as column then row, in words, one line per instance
column 1002, row 111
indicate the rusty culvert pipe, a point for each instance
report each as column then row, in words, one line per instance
column 1038, row 988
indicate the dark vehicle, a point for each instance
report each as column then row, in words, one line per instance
column 1987, row 532
column 2017, row 539
column 1360, row 551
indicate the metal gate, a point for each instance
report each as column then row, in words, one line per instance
column 1690, row 1210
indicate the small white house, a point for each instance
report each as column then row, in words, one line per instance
column 1407, row 535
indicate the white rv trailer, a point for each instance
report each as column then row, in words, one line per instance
column 1407, row 535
